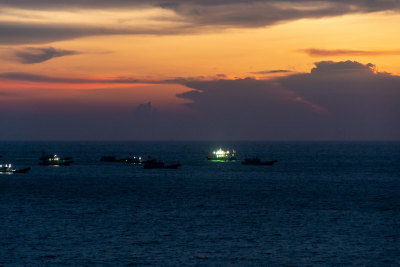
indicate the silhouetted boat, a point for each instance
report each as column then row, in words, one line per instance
column 257, row 161
column 54, row 160
column 6, row 168
column 221, row 155
column 155, row 164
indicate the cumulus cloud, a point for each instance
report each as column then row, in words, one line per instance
column 336, row 100
column 31, row 55
column 315, row 52
column 250, row 109
column 144, row 111
column 189, row 16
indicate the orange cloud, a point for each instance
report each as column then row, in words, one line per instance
column 315, row 52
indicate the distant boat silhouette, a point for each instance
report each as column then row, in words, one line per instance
column 54, row 160
column 6, row 168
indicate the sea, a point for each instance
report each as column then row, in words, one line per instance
column 321, row 204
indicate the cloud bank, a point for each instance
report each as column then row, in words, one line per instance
column 336, row 101
column 184, row 17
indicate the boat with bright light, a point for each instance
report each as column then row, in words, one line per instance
column 6, row 168
column 257, row 161
column 54, row 160
column 222, row 155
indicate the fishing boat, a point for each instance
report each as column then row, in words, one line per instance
column 222, row 155
column 7, row 168
column 54, row 160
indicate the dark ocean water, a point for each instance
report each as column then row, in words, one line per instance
column 322, row 204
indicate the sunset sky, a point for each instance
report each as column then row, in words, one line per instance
column 200, row 70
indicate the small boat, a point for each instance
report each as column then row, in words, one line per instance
column 155, row 164
column 6, row 168
column 257, row 161
column 132, row 159
column 221, row 155
column 54, row 160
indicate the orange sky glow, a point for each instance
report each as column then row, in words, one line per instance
column 130, row 55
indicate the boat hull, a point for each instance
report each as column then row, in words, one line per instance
column 10, row 171
column 22, row 170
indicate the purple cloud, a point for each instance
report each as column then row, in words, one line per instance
column 32, row 55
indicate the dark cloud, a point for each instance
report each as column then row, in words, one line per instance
column 194, row 16
column 362, row 102
column 20, row 33
column 24, row 33
column 314, row 52
column 28, row 77
column 367, row 5
column 144, row 111
column 256, row 13
column 270, row 71
column 31, row 55
column 19, row 76
column 335, row 101
column 249, row 109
